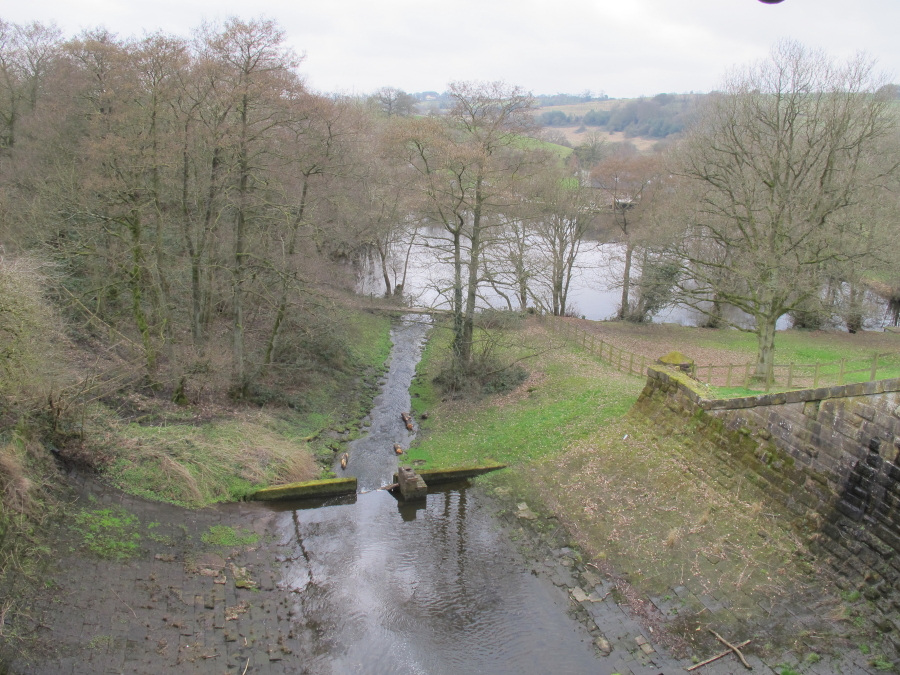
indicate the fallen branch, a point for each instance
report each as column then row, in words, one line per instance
column 718, row 656
column 124, row 603
column 732, row 648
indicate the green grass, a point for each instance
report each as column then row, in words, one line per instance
column 569, row 402
column 529, row 143
column 227, row 536
column 108, row 533
column 790, row 345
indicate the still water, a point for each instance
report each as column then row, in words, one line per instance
column 594, row 293
column 432, row 587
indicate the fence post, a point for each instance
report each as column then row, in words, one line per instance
column 816, row 376
column 584, row 339
column 709, row 373
column 728, row 376
column 631, row 363
column 841, row 374
column 642, row 365
column 874, row 367
column 790, row 374
column 747, row 375
column 592, row 343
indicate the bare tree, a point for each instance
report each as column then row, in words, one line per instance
column 562, row 212
column 259, row 78
column 774, row 171
column 468, row 162
column 393, row 102
column 628, row 186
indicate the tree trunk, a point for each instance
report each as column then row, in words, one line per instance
column 464, row 351
column 135, row 282
column 283, row 301
column 382, row 256
column 162, row 289
column 238, row 371
column 765, row 357
column 626, row 280
column 457, row 293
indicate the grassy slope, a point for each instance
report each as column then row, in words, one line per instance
column 182, row 457
column 565, row 398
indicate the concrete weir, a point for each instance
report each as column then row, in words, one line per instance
column 454, row 473
column 334, row 487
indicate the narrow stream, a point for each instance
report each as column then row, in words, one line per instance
column 433, row 587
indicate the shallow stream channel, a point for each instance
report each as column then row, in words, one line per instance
column 427, row 587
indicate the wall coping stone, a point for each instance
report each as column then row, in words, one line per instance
column 696, row 392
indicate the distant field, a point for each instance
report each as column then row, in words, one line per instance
column 580, row 109
column 575, row 138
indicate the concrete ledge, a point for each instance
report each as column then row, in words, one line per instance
column 695, row 392
column 432, row 476
column 332, row 487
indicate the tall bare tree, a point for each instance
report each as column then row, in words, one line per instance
column 259, row 78
column 774, row 170
column 469, row 162
column 628, row 187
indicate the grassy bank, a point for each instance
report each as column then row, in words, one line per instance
column 198, row 455
column 706, row 345
column 566, row 397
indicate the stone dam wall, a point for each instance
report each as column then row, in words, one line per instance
column 830, row 455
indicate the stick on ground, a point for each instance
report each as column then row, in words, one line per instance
column 718, row 656
column 732, row 648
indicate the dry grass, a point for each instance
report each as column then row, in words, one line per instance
column 15, row 486
column 655, row 506
column 298, row 467
column 194, row 464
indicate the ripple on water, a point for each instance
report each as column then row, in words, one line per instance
column 443, row 593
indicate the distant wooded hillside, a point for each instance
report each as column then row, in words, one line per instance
column 658, row 117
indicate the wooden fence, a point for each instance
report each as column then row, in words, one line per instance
column 620, row 359
column 802, row 375
column 785, row 376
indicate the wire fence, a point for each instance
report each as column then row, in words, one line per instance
column 742, row 375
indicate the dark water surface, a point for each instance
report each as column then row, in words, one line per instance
column 432, row 587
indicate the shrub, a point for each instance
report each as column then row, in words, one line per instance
column 27, row 328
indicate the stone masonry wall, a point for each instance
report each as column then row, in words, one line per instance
column 830, row 455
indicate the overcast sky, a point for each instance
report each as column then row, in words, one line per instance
column 624, row 48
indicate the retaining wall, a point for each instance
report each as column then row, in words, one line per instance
column 830, row 455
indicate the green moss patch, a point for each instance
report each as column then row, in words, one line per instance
column 316, row 488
